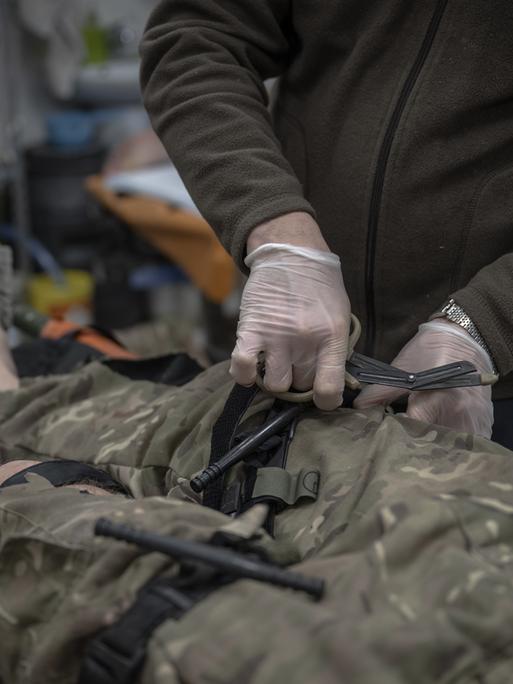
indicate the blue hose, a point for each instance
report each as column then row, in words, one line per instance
column 44, row 259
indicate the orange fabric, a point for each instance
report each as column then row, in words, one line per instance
column 184, row 238
column 54, row 329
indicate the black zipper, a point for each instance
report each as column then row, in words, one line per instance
column 379, row 176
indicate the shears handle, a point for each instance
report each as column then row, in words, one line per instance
column 307, row 397
column 362, row 369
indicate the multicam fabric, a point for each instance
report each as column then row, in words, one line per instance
column 412, row 530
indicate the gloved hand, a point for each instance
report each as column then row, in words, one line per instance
column 465, row 409
column 295, row 309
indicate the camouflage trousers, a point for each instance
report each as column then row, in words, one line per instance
column 412, row 531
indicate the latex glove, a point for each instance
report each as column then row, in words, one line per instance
column 8, row 376
column 465, row 409
column 295, row 309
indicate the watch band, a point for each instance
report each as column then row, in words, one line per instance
column 454, row 313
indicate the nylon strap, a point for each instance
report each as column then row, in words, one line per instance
column 222, row 434
column 116, row 655
column 65, row 472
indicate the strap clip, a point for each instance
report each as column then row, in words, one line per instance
column 273, row 484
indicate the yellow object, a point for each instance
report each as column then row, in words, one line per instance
column 95, row 41
column 187, row 240
column 57, row 300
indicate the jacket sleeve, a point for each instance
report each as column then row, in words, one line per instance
column 488, row 300
column 203, row 66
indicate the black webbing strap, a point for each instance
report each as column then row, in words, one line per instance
column 52, row 357
column 273, row 453
column 116, row 655
column 222, row 434
column 56, row 357
column 65, row 472
column 171, row 369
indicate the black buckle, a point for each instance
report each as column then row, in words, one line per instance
column 115, row 655
column 106, row 664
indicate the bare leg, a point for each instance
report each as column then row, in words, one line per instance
column 8, row 377
column 9, row 469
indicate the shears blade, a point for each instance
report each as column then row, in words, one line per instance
column 369, row 371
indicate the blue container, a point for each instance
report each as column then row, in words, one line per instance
column 70, row 129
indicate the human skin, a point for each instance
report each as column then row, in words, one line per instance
column 297, row 228
column 9, row 381
column 7, row 470
column 8, row 377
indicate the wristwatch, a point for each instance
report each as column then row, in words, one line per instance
column 454, row 313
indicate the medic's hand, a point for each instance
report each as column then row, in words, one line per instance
column 465, row 409
column 294, row 309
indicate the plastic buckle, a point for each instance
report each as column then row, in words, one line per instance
column 105, row 664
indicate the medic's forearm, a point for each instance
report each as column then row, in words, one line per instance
column 203, row 65
column 297, row 228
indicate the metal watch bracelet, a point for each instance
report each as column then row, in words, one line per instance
column 454, row 313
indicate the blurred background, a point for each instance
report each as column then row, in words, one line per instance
column 103, row 231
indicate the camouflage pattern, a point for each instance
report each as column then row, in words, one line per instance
column 412, row 529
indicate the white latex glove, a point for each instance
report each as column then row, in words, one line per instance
column 465, row 409
column 294, row 309
column 8, row 376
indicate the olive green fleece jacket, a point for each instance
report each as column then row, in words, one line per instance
column 393, row 126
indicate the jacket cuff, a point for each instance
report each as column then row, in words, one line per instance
column 476, row 304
